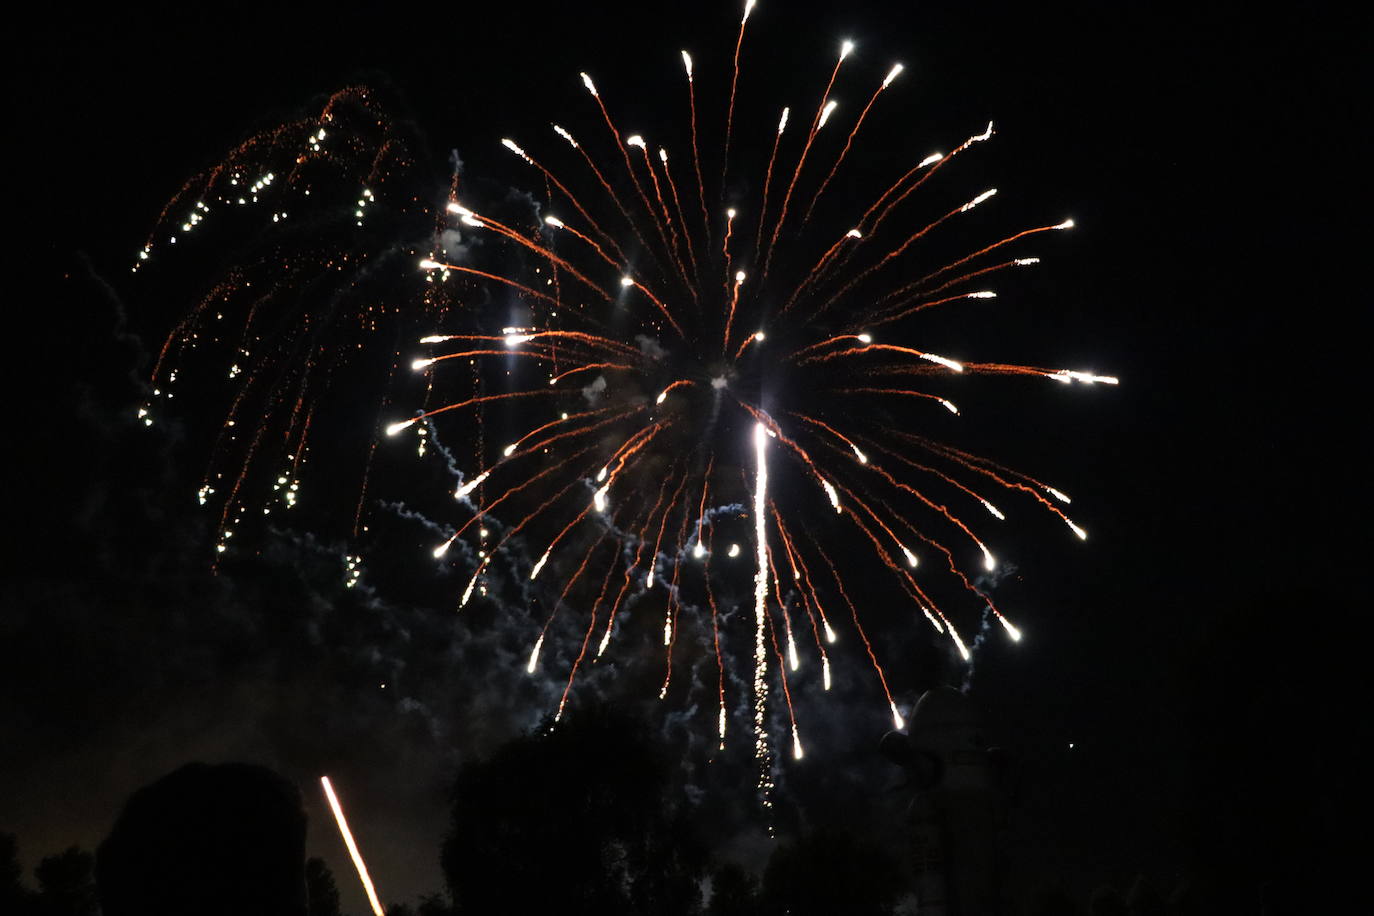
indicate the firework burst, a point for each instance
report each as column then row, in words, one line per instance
column 689, row 357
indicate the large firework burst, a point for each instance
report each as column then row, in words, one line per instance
column 691, row 357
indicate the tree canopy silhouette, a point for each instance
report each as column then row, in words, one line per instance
column 581, row 818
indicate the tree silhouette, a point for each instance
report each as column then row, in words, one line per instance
column 577, row 819
column 734, row 892
column 828, row 872
column 14, row 896
column 215, row 840
column 321, row 893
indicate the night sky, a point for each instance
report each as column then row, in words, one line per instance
column 1189, row 651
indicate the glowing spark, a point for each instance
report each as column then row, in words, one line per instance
column 854, row 234
column 627, row 281
column 892, row 74
column 977, row 200
column 793, row 660
column 831, row 494
column 601, row 474
column 443, row 548
column 509, row 450
column 587, row 81
column 910, row 557
column 733, row 551
column 933, row 157
column 947, row 363
column 429, row 264
column 514, row 340
column 471, row 485
column 825, row 672
column 663, row 396
column 830, row 636
column 865, row 338
column 993, row 509
column 395, row 428
column 782, row 121
column 982, row 294
column 545, row 558
column 687, row 62
column 1011, row 629
column 554, row 221
column 565, row 135
column 534, row 654
column 897, row 721
column 352, row 846
column 635, row 140
column 1062, row 497
column 863, row 459
column 825, row 113
column 758, row 337
column 748, row 8
column 511, row 145
column 699, row 550
column 599, row 499
column 796, row 745
column 1067, row 224
column 949, row 405
column 989, row 563
column 845, row 49
column 963, row 649
column 1082, row 535
column 419, row 364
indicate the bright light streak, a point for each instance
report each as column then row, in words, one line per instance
column 395, row 428
column 627, row 281
column 587, row 81
column 471, row 485
column 419, row 364
column 933, row 157
column 782, row 121
column 443, row 548
column 977, row 200
column 514, row 340
column 949, row 405
column 699, row 550
column 554, row 221
column 831, row 494
column 989, row 562
column 1059, row 495
column 996, row 513
column 897, row 721
column 352, row 846
column 687, row 62
column 825, row 112
column 845, row 48
column 429, row 264
column 733, row 551
column 635, row 140
column 1067, row 224
column 534, row 654
column 1082, row 535
column 910, row 557
column 540, row 565
column 1011, row 629
column 943, row 361
column 892, row 74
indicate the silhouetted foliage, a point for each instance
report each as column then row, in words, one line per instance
column 227, row 839
column 830, row 872
column 579, row 819
column 66, row 884
column 1053, row 901
column 1107, row 901
column 321, row 893
column 1143, row 899
column 734, row 892
column 14, row 896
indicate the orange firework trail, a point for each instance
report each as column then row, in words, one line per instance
column 352, row 846
column 774, row 415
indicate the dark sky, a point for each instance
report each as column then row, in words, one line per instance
column 1203, row 155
